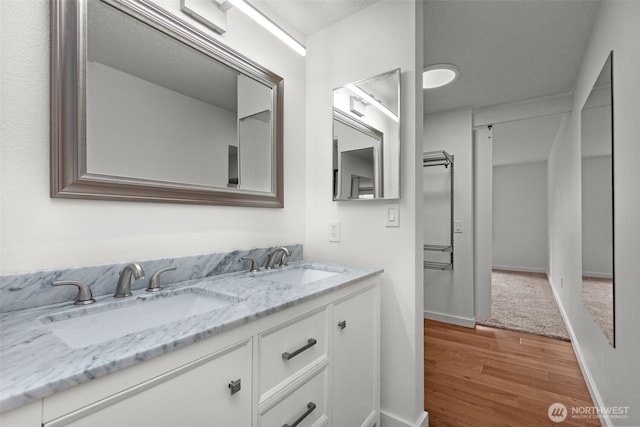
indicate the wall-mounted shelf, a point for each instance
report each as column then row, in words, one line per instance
column 435, row 265
column 438, row 248
column 441, row 158
column 437, row 158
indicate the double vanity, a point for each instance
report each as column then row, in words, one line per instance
column 209, row 340
column 290, row 346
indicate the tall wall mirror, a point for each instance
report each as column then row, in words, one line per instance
column 366, row 139
column 598, row 278
column 146, row 107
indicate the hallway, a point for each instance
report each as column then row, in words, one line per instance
column 489, row 377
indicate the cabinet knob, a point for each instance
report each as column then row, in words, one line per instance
column 234, row 386
column 342, row 324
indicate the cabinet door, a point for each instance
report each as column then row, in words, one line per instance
column 197, row 394
column 355, row 360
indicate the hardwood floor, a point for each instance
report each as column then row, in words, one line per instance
column 486, row 377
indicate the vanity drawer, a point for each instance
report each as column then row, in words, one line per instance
column 290, row 348
column 307, row 405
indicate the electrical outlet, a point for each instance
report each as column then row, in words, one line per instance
column 334, row 231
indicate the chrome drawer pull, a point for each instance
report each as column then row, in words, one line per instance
column 342, row 324
column 310, row 407
column 310, row 343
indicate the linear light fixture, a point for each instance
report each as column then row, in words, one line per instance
column 371, row 100
column 269, row 25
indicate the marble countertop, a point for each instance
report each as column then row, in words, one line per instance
column 35, row 363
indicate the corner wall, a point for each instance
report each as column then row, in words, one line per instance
column 40, row 233
column 382, row 37
column 611, row 373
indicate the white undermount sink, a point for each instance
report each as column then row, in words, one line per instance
column 299, row 275
column 82, row 328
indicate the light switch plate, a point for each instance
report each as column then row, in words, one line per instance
column 334, row 231
column 393, row 215
column 457, row 226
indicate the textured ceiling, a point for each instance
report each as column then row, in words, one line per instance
column 524, row 141
column 506, row 50
column 309, row 16
column 109, row 41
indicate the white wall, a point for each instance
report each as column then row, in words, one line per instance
column 448, row 295
column 187, row 138
column 483, row 220
column 520, row 217
column 37, row 232
column 612, row 373
column 384, row 36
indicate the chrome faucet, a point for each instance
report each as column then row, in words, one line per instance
column 124, row 282
column 271, row 257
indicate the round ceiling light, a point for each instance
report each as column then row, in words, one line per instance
column 438, row 75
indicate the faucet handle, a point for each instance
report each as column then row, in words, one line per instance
column 284, row 261
column 254, row 264
column 84, row 292
column 154, row 282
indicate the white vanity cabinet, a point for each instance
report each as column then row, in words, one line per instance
column 23, row 416
column 355, row 360
column 313, row 364
column 214, row 390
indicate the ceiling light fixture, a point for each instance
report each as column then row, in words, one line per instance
column 269, row 25
column 438, row 75
column 371, row 100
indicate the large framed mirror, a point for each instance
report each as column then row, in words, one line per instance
column 366, row 139
column 597, row 143
column 146, row 107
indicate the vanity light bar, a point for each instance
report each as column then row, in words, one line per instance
column 269, row 25
column 371, row 100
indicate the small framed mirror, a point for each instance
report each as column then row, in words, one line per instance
column 597, row 144
column 146, row 107
column 366, row 139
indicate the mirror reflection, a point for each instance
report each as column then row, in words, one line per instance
column 597, row 202
column 366, row 139
column 181, row 121
column 147, row 107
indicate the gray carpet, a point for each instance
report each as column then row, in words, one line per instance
column 597, row 296
column 524, row 302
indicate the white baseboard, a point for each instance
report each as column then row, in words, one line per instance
column 520, row 269
column 389, row 420
column 586, row 373
column 448, row 318
column 597, row 275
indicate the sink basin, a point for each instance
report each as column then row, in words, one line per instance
column 94, row 325
column 299, row 275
